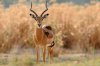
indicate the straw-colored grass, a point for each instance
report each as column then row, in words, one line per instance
column 75, row 26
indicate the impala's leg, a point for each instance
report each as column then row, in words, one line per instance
column 37, row 52
column 48, row 53
column 50, row 50
column 51, row 54
column 44, row 53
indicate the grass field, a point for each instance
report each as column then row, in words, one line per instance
column 75, row 26
column 65, row 60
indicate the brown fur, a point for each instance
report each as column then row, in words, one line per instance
column 41, row 39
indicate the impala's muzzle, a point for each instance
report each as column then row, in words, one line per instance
column 39, row 25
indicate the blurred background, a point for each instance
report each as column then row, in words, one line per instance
column 7, row 3
column 76, row 24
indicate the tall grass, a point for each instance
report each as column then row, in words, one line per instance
column 75, row 26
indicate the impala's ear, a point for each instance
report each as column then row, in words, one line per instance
column 33, row 16
column 45, row 16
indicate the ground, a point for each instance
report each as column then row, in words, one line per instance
column 28, row 59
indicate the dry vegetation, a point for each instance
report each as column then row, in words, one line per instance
column 75, row 26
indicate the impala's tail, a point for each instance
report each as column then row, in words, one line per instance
column 52, row 44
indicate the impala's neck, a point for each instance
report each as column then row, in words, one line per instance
column 39, row 26
column 39, row 34
column 39, row 30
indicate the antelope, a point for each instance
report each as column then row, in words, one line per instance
column 43, row 35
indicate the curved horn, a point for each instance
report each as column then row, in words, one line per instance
column 33, row 11
column 45, row 9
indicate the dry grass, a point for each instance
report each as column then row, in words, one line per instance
column 75, row 26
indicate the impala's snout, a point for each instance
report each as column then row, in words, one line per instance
column 39, row 25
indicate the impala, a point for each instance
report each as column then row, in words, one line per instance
column 43, row 35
